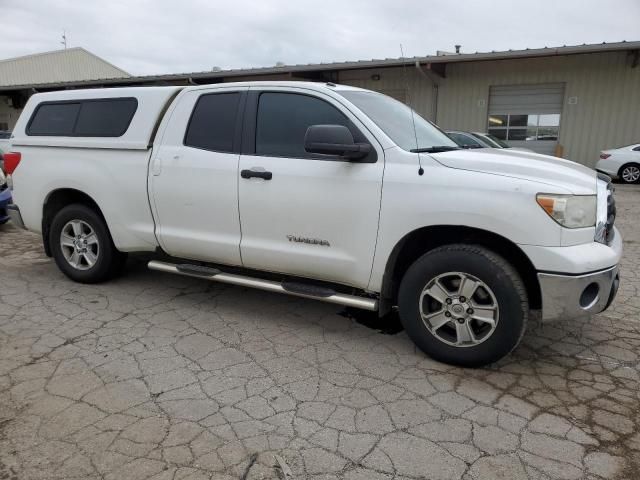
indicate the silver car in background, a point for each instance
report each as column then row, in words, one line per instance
column 480, row 140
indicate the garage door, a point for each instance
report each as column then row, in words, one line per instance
column 527, row 115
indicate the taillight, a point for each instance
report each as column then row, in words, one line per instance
column 11, row 161
column 604, row 156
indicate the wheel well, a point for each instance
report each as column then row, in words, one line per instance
column 626, row 165
column 419, row 242
column 57, row 200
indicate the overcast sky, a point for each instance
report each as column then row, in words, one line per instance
column 162, row 36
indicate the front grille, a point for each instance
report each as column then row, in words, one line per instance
column 611, row 212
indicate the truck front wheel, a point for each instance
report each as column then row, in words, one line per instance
column 82, row 246
column 464, row 305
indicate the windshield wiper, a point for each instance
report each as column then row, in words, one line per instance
column 434, row 149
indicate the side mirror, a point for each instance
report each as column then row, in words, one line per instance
column 334, row 140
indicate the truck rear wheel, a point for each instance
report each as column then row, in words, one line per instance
column 82, row 246
column 464, row 305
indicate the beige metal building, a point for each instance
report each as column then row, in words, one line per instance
column 573, row 104
column 21, row 74
column 572, row 101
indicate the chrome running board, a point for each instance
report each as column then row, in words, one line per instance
column 290, row 288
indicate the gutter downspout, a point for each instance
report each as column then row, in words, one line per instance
column 435, row 83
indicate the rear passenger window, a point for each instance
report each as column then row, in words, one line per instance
column 104, row 117
column 213, row 122
column 283, row 119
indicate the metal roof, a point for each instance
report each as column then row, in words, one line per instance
column 59, row 66
column 348, row 65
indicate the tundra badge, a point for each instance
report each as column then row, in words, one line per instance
column 312, row 241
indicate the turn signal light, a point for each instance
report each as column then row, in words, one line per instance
column 604, row 156
column 11, row 161
column 546, row 203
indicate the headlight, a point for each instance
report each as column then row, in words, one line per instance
column 602, row 211
column 570, row 211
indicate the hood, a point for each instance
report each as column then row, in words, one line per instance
column 568, row 175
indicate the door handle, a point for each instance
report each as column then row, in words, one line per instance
column 257, row 174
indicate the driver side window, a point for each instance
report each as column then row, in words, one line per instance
column 283, row 119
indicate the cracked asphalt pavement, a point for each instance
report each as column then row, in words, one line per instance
column 162, row 377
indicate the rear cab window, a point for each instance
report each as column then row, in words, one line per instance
column 102, row 117
column 212, row 125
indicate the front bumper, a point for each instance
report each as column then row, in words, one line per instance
column 574, row 296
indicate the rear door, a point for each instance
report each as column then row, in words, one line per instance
column 194, row 177
column 306, row 215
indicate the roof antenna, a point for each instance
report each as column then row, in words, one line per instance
column 64, row 39
column 408, row 102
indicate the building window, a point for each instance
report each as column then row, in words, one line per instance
column 525, row 127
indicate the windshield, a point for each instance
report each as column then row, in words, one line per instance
column 394, row 119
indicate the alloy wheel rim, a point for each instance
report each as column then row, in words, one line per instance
column 459, row 309
column 631, row 174
column 80, row 245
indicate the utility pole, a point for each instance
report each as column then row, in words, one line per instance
column 64, row 39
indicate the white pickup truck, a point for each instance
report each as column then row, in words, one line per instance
column 322, row 191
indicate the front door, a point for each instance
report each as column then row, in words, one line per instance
column 303, row 214
column 194, row 177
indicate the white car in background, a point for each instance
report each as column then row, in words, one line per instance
column 621, row 163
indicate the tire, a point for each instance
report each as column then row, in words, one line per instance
column 629, row 173
column 100, row 261
column 497, row 295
